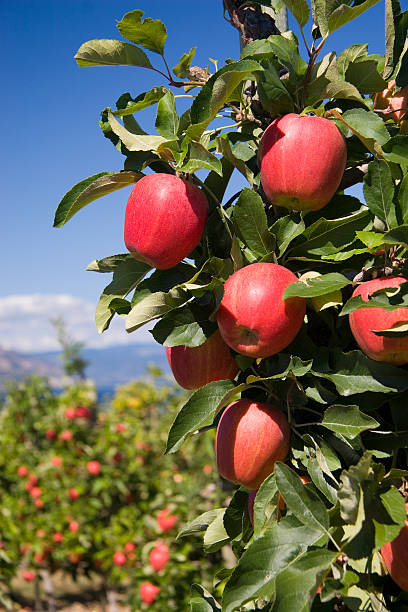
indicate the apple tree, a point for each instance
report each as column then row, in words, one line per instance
column 298, row 282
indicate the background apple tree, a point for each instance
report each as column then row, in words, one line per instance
column 319, row 548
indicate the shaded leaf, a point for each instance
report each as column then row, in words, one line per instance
column 199, row 157
column 379, row 192
column 108, row 264
column 154, row 305
column 134, row 142
column 250, row 220
column 107, row 52
column 321, row 285
column 167, row 120
column 182, row 69
column 187, row 326
column 128, row 105
column 348, row 420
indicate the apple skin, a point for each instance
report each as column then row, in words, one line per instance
column 164, row 220
column 148, row 592
column 159, row 557
column 93, row 467
column 395, row 555
column 253, row 319
column 251, row 437
column 362, row 321
column 28, row 575
column 302, row 161
column 119, row 558
column 196, row 366
column 165, row 520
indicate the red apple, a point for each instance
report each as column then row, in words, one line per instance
column 40, row 533
column 28, row 575
column 164, row 220
column 302, row 161
column 251, row 437
column 165, row 520
column 22, row 471
column 93, row 467
column 65, row 435
column 39, row 503
column 50, row 433
column 395, row 555
column 119, row 558
column 148, row 592
column 120, row 427
column 58, row 537
column 73, row 526
column 159, row 557
column 56, row 461
column 35, row 492
column 365, row 320
column 195, row 367
column 73, row 493
column 70, row 413
column 253, row 318
column 129, row 547
column 83, row 412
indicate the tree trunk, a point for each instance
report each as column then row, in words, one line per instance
column 49, row 589
column 111, row 597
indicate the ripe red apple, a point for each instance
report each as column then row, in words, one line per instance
column 365, row 320
column 148, row 592
column 195, row 367
column 119, row 558
column 70, row 413
column 129, row 547
column 159, row 557
column 253, row 318
column 56, row 461
column 83, row 412
column 35, row 492
column 251, row 437
column 120, row 427
column 302, row 161
column 165, row 520
column 395, row 555
column 58, row 537
column 40, row 533
column 164, row 220
column 73, row 493
column 65, row 435
column 22, row 471
column 33, row 479
column 50, row 433
column 39, row 503
column 73, row 526
column 93, row 467
column 29, row 575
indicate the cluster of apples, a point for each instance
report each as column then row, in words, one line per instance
column 302, row 160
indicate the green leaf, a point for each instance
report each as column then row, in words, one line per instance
column 284, row 366
column 199, row 157
column 368, row 127
column 199, row 411
column 215, row 535
column 296, row 586
column 106, row 52
column 389, row 298
column 273, row 95
column 321, row 285
column 286, row 229
column 127, row 105
column 233, row 517
column 204, row 602
column 167, row 120
column 150, row 34
column 182, row 69
column 185, row 326
column 321, row 481
column 108, row 264
column 379, row 192
column 399, row 330
column 264, row 559
column 287, row 51
column 348, row 420
column 371, row 239
column 233, row 156
column 300, row 10
column 250, row 221
column 134, row 142
column 200, row 523
column 364, row 74
column 403, row 198
column 396, row 150
column 344, row 13
column 126, row 277
column 216, row 92
column 154, row 305
column 267, row 495
column 305, row 505
column 91, row 189
column 353, row 373
column 394, row 504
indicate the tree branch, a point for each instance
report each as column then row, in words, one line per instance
column 352, row 176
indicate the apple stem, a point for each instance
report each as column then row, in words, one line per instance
column 305, row 41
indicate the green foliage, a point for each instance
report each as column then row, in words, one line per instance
column 318, row 550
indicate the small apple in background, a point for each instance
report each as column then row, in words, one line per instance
column 28, row 575
column 194, row 367
column 253, row 318
column 159, row 557
column 119, row 558
column 73, row 526
column 251, row 437
column 129, row 547
column 120, row 427
column 166, row 521
column 397, row 102
column 51, row 434
column 302, row 161
column 56, row 461
column 207, row 468
column 148, row 592
column 65, row 435
column 93, row 467
column 164, row 220
column 70, row 413
column 22, row 471
column 365, row 320
column 83, row 412
column 395, row 555
column 39, row 503
column 74, row 557
column 73, row 493
column 58, row 537
column 40, row 533
column 35, row 492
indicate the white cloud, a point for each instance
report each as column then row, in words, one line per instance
column 25, row 323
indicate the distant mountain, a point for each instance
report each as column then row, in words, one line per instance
column 115, row 365
column 14, row 366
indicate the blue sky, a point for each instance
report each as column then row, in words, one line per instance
column 51, row 140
